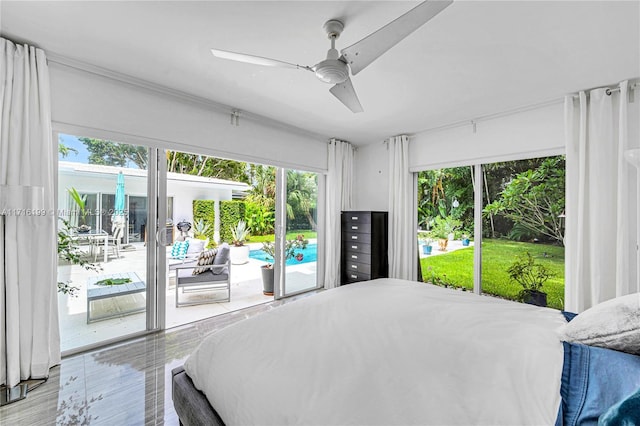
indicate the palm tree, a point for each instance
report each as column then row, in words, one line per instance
column 301, row 195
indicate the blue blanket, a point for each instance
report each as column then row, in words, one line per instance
column 593, row 381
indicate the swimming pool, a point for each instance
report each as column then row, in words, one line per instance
column 309, row 254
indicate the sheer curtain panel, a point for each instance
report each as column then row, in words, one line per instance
column 339, row 198
column 601, row 195
column 402, row 210
column 28, row 244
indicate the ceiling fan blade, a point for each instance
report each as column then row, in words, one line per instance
column 347, row 95
column 367, row 50
column 256, row 60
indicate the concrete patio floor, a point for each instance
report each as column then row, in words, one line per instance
column 246, row 291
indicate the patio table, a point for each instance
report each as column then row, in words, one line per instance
column 94, row 234
column 97, row 292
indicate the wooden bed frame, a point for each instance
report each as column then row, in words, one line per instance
column 192, row 406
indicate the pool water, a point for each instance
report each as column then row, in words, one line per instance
column 309, row 254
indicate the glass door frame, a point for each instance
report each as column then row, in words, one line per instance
column 279, row 266
column 156, row 213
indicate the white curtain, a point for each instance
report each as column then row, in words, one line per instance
column 28, row 246
column 600, row 192
column 402, row 210
column 339, row 197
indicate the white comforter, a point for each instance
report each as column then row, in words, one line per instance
column 386, row 352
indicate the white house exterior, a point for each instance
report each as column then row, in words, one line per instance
column 98, row 183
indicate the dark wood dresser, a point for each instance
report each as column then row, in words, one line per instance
column 364, row 246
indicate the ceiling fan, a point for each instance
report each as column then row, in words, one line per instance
column 335, row 69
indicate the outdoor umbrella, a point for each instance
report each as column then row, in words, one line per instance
column 118, row 218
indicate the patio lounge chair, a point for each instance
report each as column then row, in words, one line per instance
column 213, row 278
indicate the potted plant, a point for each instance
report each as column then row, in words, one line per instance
column 81, row 202
column 299, row 243
column 426, row 241
column 239, row 253
column 200, row 229
column 444, row 229
column 531, row 276
column 70, row 253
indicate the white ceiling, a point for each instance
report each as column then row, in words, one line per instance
column 474, row 59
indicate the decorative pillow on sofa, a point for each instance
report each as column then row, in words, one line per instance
column 614, row 324
column 223, row 257
column 196, row 246
column 179, row 249
column 206, row 258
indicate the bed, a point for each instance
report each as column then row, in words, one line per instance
column 390, row 351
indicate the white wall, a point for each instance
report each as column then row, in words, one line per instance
column 371, row 182
column 528, row 134
column 82, row 101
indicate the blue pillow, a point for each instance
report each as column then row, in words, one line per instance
column 624, row 413
column 179, row 249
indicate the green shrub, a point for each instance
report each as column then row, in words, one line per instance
column 231, row 212
column 260, row 219
column 205, row 210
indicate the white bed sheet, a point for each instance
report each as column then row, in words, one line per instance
column 386, row 352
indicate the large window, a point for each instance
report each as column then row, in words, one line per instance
column 522, row 228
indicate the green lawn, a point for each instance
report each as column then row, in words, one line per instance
column 308, row 234
column 456, row 268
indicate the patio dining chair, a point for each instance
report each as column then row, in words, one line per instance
column 114, row 242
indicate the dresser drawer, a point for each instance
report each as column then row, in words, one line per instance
column 354, row 256
column 356, row 247
column 356, row 237
column 356, row 227
column 356, row 217
column 352, row 277
column 351, row 267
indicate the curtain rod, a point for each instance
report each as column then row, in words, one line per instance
column 610, row 90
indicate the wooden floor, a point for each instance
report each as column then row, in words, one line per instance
column 124, row 384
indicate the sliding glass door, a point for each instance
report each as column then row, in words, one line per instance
column 103, row 276
column 516, row 208
column 126, row 209
column 297, row 243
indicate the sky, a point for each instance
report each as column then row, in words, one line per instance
column 82, row 156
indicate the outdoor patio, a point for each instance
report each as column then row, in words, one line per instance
column 246, row 290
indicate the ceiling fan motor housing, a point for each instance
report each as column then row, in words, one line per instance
column 332, row 71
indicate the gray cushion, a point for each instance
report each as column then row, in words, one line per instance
column 221, row 258
column 185, row 277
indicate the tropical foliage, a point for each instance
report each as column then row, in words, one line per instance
column 204, row 165
column 69, row 251
column 534, row 199
column 240, row 233
column 517, row 195
column 110, row 153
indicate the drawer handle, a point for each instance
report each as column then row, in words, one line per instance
column 354, row 266
column 354, row 237
column 355, row 228
column 354, row 247
column 354, row 217
column 354, row 276
column 353, row 256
